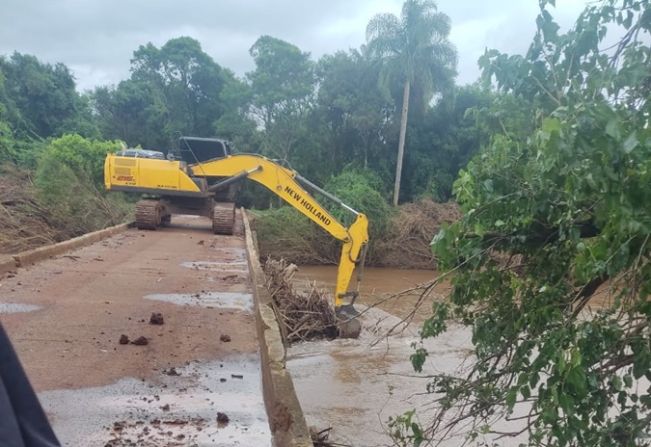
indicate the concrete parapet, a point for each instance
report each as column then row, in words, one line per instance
column 288, row 425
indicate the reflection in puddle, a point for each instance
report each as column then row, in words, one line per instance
column 14, row 308
column 221, row 300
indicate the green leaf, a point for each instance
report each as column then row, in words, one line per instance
column 511, row 397
column 630, row 143
column 613, row 129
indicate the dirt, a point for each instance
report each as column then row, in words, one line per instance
column 171, row 372
column 222, row 418
column 140, row 341
column 81, row 299
column 154, row 432
column 281, row 418
column 156, row 318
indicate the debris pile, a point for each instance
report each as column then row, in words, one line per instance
column 407, row 244
column 303, row 316
column 25, row 222
column 320, row 437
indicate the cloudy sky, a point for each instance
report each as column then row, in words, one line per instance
column 96, row 38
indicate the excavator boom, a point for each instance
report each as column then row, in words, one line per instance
column 185, row 187
column 283, row 182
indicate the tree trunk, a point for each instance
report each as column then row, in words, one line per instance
column 401, row 143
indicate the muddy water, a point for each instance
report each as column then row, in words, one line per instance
column 379, row 285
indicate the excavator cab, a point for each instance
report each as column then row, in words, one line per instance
column 197, row 150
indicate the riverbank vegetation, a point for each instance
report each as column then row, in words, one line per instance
column 551, row 260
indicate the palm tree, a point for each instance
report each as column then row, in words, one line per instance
column 414, row 49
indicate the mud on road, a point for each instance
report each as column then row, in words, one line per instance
column 66, row 317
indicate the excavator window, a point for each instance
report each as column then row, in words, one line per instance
column 196, row 150
column 141, row 153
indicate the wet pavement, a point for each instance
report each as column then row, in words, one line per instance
column 12, row 308
column 210, row 300
column 177, row 408
column 201, row 364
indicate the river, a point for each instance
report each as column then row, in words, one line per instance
column 378, row 286
column 355, row 386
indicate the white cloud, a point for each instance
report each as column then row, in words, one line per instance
column 96, row 38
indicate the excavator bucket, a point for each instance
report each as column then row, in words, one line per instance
column 348, row 322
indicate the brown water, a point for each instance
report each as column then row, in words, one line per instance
column 379, row 286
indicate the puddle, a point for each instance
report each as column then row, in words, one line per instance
column 223, row 267
column 14, row 308
column 171, row 410
column 221, row 300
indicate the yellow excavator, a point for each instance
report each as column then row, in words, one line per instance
column 201, row 181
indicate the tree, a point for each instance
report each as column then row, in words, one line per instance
column 189, row 81
column 236, row 123
column 354, row 110
column 416, row 51
column 42, row 97
column 551, row 261
column 282, row 87
column 444, row 139
column 134, row 112
column 6, row 150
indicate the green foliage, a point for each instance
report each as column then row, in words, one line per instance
column 69, row 180
column 7, row 152
column 285, row 230
column 40, row 99
column 135, row 112
column 282, row 87
column 236, row 125
column 74, row 202
column 360, row 190
column 549, row 218
column 352, row 111
column 283, row 74
column 189, row 80
column 83, row 156
column 444, row 139
column 414, row 48
column 173, row 90
column 405, row 432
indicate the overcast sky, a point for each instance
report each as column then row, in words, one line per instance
column 96, row 38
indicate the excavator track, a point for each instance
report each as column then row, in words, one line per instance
column 223, row 218
column 148, row 214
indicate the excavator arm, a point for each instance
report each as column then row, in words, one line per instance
column 284, row 183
